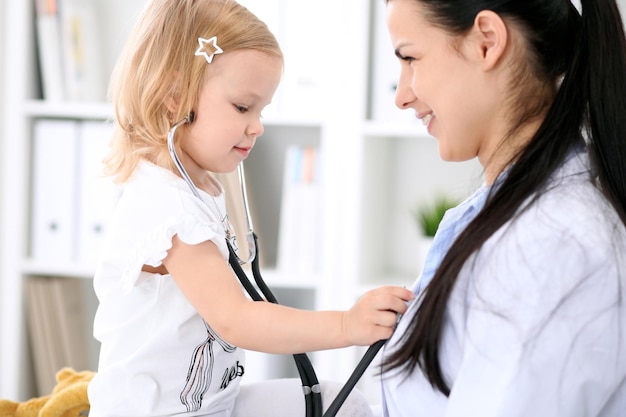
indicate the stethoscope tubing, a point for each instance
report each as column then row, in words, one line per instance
column 358, row 372
column 308, row 377
column 310, row 383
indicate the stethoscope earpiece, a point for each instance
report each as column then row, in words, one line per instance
column 191, row 117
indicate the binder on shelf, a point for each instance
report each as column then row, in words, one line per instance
column 48, row 30
column 71, row 320
column 69, row 50
column 298, row 236
column 270, row 12
column 97, row 194
column 385, row 69
column 43, row 351
column 60, row 327
column 303, row 42
column 54, row 183
column 81, row 51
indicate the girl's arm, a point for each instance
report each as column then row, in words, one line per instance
column 207, row 281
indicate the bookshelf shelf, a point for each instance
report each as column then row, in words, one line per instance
column 103, row 111
column 274, row 278
column 38, row 268
column 69, row 110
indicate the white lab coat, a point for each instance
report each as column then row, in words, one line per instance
column 536, row 325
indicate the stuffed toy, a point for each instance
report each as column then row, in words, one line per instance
column 68, row 398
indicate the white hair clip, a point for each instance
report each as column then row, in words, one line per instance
column 215, row 49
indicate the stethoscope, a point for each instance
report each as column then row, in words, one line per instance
column 310, row 384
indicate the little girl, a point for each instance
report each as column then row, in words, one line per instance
column 172, row 316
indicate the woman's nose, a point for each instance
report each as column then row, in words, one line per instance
column 404, row 93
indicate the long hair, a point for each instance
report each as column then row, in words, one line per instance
column 584, row 57
column 158, row 64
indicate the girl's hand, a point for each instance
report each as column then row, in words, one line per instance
column 374, row 316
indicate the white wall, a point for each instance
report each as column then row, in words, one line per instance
column 3, row 61
column 2, row 117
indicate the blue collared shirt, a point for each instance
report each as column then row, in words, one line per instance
column 453, row 223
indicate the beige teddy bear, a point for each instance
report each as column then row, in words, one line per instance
column 68, row 398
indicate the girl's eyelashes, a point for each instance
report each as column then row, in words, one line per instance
column 245, row 109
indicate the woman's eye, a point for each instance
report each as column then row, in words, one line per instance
column 241, row 109
column 404, row 58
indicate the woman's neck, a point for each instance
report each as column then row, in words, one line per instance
column 507, row 151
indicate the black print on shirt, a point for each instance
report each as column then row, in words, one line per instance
column 201, row 369
column 231, row 374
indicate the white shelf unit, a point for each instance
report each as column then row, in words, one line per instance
column 373, row 172
column 23, row 105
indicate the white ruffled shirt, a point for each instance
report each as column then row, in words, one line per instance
column 158, row 357
column 536, row 324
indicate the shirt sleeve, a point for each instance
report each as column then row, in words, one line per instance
column 541, row 321
column 147, row 219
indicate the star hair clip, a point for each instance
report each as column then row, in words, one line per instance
column 214, row 48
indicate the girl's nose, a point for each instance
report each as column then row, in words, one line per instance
column 255, row 129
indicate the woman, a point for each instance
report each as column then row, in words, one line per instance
column 520, row 309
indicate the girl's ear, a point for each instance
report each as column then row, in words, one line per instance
column 171, row 102
column 172, row 98
column 491, row 38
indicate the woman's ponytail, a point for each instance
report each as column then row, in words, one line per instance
column 604, row 41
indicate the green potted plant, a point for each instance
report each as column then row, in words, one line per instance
column 429, row 216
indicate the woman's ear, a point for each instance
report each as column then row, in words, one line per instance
column 491, row 38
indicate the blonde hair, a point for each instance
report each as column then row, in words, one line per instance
column 158, row 66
